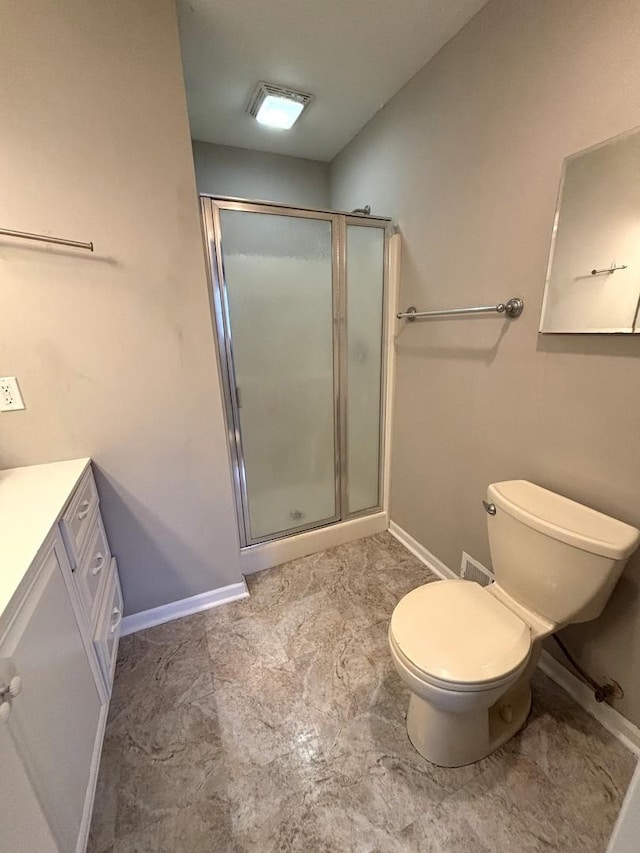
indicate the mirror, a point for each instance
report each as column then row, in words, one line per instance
column 593, row 277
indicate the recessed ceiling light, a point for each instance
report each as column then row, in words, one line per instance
column 277, row 106
column 279, row 112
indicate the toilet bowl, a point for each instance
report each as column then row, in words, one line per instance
column 467, row 652
column 464, row 655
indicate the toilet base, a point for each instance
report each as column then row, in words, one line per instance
column 453, row 739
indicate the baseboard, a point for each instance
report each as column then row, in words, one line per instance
column 612, row 720
column 430, row 560
column 621, row 728
column 184, row 607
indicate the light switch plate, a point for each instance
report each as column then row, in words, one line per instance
column 10, row 396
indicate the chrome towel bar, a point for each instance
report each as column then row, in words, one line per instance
column 511, row 308
column 610, row 270
column 76, row 244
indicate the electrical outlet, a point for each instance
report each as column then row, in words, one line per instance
column 10, row 396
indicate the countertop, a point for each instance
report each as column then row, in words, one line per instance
column 32, row 500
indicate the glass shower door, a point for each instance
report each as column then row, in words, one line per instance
column 278, row 288
column 364, row 313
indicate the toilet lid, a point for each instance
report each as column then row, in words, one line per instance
column 457, row 632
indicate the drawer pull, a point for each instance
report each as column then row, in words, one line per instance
column 15, row 686
column 99, row 563
column 13, row 689
column 116, row 618
column 84, row 510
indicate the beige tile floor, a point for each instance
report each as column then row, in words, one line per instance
column 277, row 724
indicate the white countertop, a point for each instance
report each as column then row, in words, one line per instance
column 31, row 501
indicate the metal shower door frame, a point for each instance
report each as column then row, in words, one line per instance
column 210, row 209
column 365, row 221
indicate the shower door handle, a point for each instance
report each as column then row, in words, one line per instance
column 238, row 398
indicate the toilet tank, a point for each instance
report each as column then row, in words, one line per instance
column 553, row 555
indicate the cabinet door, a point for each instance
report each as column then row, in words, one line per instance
column 22, row 823
column 54, row 720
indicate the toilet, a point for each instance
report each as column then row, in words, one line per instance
column 467, row 652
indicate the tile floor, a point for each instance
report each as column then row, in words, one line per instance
column 277, row 724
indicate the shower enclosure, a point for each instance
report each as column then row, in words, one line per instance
column 299, row 304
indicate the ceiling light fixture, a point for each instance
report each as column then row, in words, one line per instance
column 277, row 106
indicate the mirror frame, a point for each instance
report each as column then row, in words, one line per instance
column 635, row 324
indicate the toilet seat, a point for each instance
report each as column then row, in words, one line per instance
column 456, row 636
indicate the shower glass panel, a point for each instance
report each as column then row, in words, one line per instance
column 298, row 298
column 365, row 291
column 278, row 273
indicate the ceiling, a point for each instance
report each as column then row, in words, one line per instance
column 352, row 55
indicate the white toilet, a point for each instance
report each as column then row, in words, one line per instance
column 467, row 652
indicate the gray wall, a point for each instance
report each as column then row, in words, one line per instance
column 467, row 159
column 256, row 175
column 114, row 351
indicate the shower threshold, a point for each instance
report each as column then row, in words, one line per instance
column 265, row 555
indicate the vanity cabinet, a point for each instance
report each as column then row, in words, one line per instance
column 59, row 629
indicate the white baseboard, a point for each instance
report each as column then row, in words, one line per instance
column 184, row 607
column 621, row 728
column 612, row 720
column 430, row 560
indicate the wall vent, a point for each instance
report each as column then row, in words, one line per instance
column 472, row 570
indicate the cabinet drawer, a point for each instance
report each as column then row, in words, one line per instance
column 107, row 632
column 76, row 520
column 94, row 567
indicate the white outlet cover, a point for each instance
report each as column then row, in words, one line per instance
column 10, row 396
